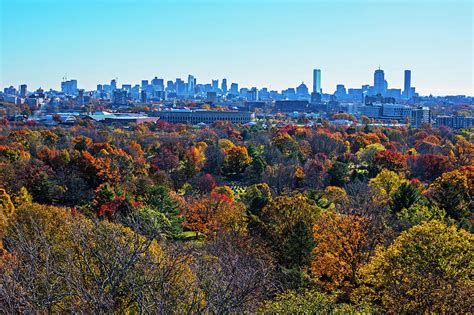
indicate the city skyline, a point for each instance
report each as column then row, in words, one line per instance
column 278, row 47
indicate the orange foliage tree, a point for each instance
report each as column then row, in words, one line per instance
column 342, row 246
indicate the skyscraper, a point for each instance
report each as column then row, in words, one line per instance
column 234, row 89
column 407, row 85
column 113, row 84
column 379, row 82
column 191, row 85
column 158, row 84
column 215, row 85
column 317, row 81
column 224, row 86
column 23, row 90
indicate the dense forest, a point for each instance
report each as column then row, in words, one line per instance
column 170, row 218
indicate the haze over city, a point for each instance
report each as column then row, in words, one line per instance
column 273, row 44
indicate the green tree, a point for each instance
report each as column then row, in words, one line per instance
column 404, row 197
column 286, row 219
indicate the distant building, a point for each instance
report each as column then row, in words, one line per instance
column 69, row 87
column 119, row 97
column 302, row 91
column 355, row 94
column 9, row 90
column 401, row 113
column 394, row 93
column 316, row 97
column 80, row 97
column 203, row 116
column 379, row 82
column 170, row 86
column 340, row 92
column 224, row 86
column 23, row 90
column 121, row 118
column 215, row 85
column 291, row 106
column 127, row 87
column 317, row 81
column 211, row 96
column 32, row 102
column 234, row 89
column 158, row 84
column 407, row 85
column 143, row 96
column 180, row 87
column 455, row 122
column 252, row 95
column 191, row 85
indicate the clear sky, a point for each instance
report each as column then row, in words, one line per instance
column 255, row 43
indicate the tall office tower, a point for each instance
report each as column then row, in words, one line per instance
column 340, row 92
column 170, row 86
column 407, row 85
column 215, row 85
column 234, row 89
column 191, row 85
column 113, row 84
column 317, row 81
column 23, row 90
column 144, row 84
column 180, row 87
column 158, row 84
column 224, row 86
column 379, row 82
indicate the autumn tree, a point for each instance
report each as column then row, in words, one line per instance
column 287, row 222
column 454, row 191
column 342, row 246
column 236, row 160
column 429, row 166
column 385, row 184
column 214, row 212
column 427, row 269
column 68, row 263
column 390, row 160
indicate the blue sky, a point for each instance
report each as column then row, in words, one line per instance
column 256, row 43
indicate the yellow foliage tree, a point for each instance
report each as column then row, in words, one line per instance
column 428, row 269
column 385, row 184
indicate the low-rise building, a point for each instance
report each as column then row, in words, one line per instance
column 203, row 116
column 455, row 122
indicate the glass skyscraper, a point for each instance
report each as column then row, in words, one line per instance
column 407, row 85
column 317, row 81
